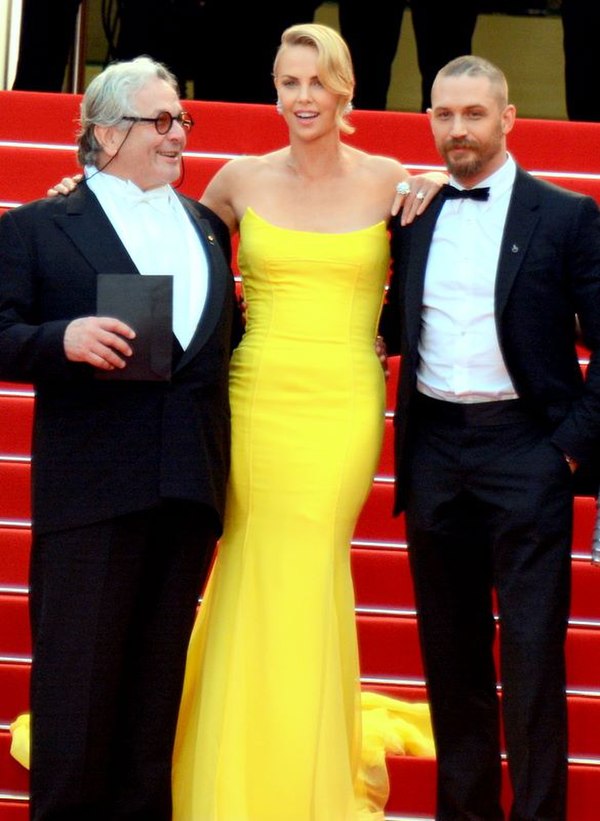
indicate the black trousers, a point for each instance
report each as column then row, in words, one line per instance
column 112, row 607
column 489, row 519
column 372, row 30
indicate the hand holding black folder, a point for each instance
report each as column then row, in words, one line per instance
column 145, row 303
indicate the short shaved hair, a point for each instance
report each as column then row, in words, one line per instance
column 471, row 66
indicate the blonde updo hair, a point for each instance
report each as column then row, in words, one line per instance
column 334, row 63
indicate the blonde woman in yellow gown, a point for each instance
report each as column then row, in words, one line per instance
column 270, row 723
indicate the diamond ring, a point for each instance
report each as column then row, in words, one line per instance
column 420, row 195
column 403, row 188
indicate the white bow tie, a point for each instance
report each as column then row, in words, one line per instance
column 156, row 197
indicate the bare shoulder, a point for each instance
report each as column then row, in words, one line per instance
column 385, row 168
column 377, row 173
column 222, row 193
column 240, row 182
column 240, row 173
column 232, row 171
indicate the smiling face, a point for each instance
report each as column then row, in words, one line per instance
column 140, row 153
column 470, row 120
column 308, row 107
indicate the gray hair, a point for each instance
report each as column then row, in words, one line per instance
column 472, row 66
column 109, row 97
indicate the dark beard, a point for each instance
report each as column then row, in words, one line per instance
column 463, row 169
column 482, row 154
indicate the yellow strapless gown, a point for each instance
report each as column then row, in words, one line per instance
column 270, row 728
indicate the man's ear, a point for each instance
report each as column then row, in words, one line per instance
column 508, row 118
column 109, row 137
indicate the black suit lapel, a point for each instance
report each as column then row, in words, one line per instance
column 218, row 276
column 93, row 234
column 521, row 220
column 421, row 233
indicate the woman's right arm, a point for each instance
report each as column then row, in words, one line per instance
column 219, row 193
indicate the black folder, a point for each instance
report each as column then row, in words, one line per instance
column 145, row 303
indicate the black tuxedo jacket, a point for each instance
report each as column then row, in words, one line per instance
column 548, row 274
column 102, row 448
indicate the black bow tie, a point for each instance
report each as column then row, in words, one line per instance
column 452, row 193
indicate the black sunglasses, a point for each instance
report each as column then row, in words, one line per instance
column 164, row 121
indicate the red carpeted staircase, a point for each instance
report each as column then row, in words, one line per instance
column 36, row 139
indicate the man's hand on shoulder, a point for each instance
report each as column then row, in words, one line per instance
column 65, row 186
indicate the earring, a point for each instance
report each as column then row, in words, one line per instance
column 278, row 106
column 348, row 108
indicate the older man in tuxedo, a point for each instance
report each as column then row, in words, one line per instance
column 493, row 419
column 130, row 459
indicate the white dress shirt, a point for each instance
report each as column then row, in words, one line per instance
column 160, row 238
column 460, row 356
